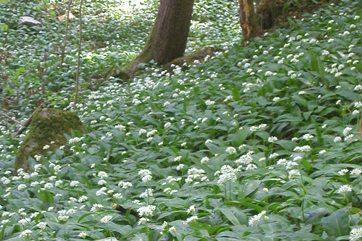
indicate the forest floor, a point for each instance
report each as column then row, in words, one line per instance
column 257, row 143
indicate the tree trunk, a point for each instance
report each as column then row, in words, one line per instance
column 248, row 19
column 173, row 24
column 168, row 37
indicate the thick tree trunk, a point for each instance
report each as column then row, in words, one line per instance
column 168, row 37
column 173, row 24
column 248, row 19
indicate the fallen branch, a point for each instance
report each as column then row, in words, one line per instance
column 26, row 123
column 124, row 210
column 10, row 118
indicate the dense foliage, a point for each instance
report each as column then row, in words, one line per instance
column 258, row 143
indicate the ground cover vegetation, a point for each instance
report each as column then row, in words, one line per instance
column 258, row 143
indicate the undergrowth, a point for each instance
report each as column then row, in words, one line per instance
column 258, row 143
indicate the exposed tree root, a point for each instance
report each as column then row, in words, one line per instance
column 133, row 68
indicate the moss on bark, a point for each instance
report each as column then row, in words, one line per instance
column 46, row 126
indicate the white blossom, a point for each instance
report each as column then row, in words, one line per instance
column 102, row 175
column 355, row 234
column 146, row 211
column 227, row 174
column 256, row 218
column 344, row 189
column 231, row 150
column 106, row 219
column 191, row 219
column 82, row 235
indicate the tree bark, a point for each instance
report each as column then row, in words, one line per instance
column 168, row 37
column 173, row 24
column 248, row 19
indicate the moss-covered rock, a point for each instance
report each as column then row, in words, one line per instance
column 47, row 127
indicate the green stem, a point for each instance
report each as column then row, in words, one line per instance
column 109, row 229
column 301, row 178
column 225, row 193
column 230, row 190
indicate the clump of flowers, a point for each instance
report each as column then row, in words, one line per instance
column 227, row 173
column 355, row 234
column 145, row 175
column 256, row 218
column 194, row 174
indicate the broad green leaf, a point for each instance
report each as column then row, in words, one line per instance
column 236, row 94
column 234, row 215
column 336, row 224
column 46, row 196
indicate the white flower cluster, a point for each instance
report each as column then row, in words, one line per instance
column 147, row 193
column 307, row 137
column 25, row 233
column 230, row 150
column 209, row 102
column 102, row 175
column 245, row 159
column 124, row 185
column 305, row 148
column 256, row 218
column 75, row 140
column 272, row 139
column 257, row 128
column 121, row 127
column 96, row 207
column 102, row 191
column 195, row 174
column 204, row 160
column 106, row 219
column 288, row 164
column 355, row 234
column 146, row 211
column 348, row 137
column 227, row 173
column 344, row 189
column 151, row 133
column 191, row 220
column 145, row 175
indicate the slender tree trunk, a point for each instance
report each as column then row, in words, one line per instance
column 168, row 37
column 248, row 19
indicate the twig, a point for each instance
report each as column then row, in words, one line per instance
column 66, row 34
column 26, row 123
column 226, row 105
column 9, row 117
column 79, row 49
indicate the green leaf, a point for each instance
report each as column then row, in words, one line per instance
column 46, row 197
column 122, row 229
column 251, row 187
column 301, row 101
column 83, row 216
column 307, row 166
column 286, row 144
column 236, row 94
column 336, row 224
column 234, row 215
column 5, row 27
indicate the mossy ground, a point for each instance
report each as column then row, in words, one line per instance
column 47, row 127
